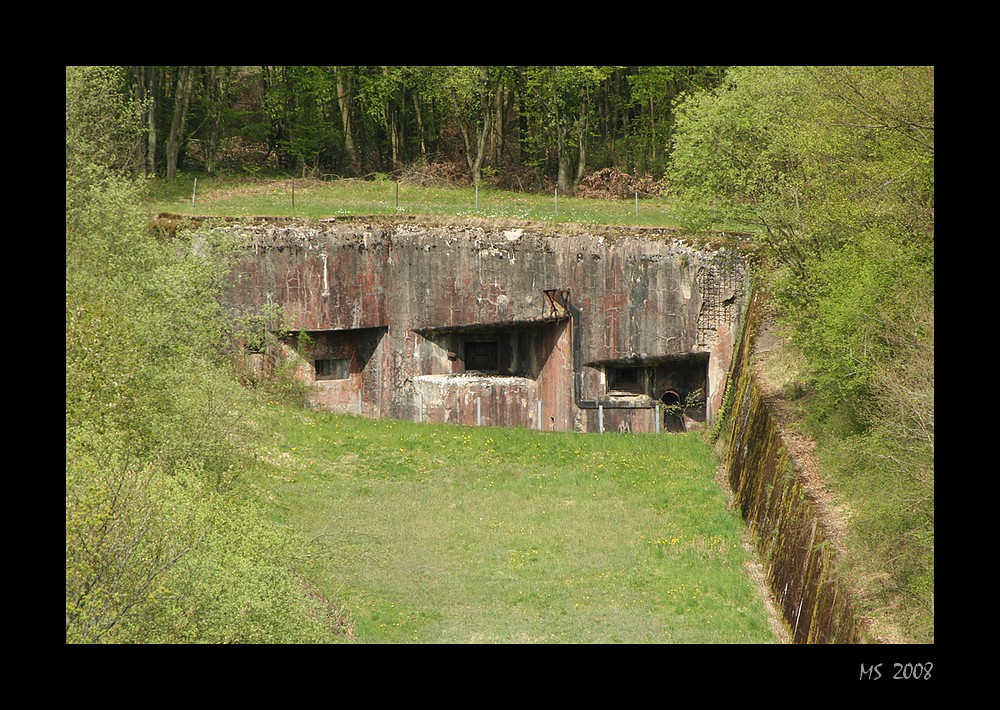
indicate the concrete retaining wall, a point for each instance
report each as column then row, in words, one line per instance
column 792, row 543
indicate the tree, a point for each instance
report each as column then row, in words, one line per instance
column 652, row 94
column 561, row 112
column 475, row 93
column 345, row 102
column 217, row 85
column 383, row 92
column 102, row 120
column 147, row 102
column 183, row 93
column 425, row 85
column 352, row 119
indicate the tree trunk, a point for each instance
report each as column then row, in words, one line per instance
column 345, row 100
column 216, row 81
column 565, row 182
column 394, row 139
column 153, row 135
column 609, row 126
column 463, row 127
column 488, row 107
column 583, row 125
column 497, row 129
column 418, row 113
column 652, row 135
column 182, row 101
column 473, row 153
column 392, row 128
column 147, row 86
column 477, row 165
column 139, row 151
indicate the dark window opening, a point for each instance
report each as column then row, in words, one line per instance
column 626, row 379
column 338, row 368
column 494, row 350
column 482, row 355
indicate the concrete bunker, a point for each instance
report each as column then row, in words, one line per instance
column 582, row 329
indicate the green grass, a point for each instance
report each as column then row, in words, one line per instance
column 314, row 199
column 444, row 534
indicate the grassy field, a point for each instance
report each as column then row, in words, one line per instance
column 442, row 534
column 288, row 197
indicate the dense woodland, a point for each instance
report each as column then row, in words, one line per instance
column 518, row 127
column 829, row 169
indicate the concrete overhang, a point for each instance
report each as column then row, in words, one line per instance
column 490, row 326
column 645, row 360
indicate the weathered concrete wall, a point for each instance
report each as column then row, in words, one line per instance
column 792, row 542
column 551, row 313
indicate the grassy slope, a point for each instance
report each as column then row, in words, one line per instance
column 444, row 534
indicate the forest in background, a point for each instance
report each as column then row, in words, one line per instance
column 829, row 169
column 519, row 128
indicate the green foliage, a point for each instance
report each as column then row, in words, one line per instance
column 102, row 122
column 236, row 586
column 257, row 332
column 301, row 104
column 847, row 330
column 120, row 539
column 653, row 92
column 158, row 434
column 694, row 399
column 356, row 120
column 832, row 169
column 730, row 154
column 783, row 152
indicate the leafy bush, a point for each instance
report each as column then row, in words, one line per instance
column 162, row 543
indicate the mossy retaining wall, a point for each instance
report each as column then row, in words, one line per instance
column 792, row 543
